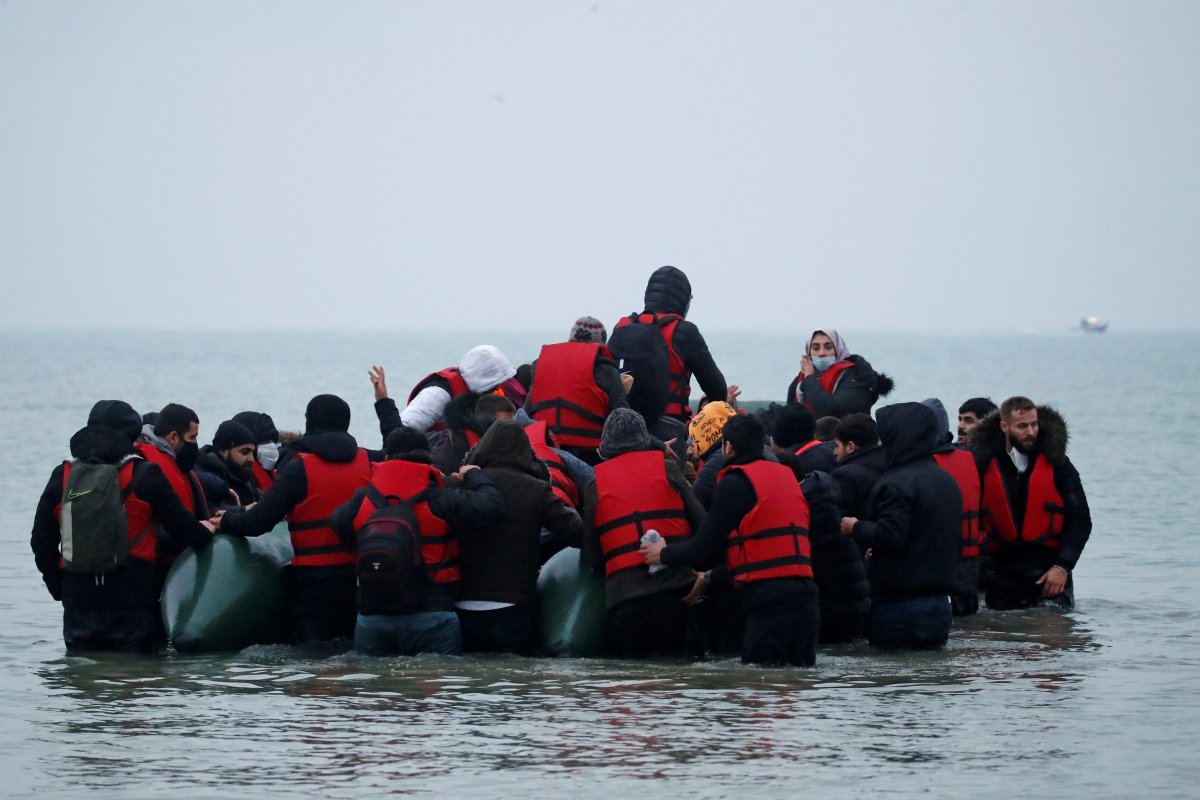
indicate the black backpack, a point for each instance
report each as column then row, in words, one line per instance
column 387, row 556
column 642, row 352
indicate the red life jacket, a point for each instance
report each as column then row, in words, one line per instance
column 961, row 467
column 263, row 478
column 139, row 515
column 565, row 396
column 828, row 379
column 407, row 479
column 330, row 484
column 633, row 495
column 179, row 482
column 560, row 482
column 771, row 541
column 1044, row 510
column 680, row 386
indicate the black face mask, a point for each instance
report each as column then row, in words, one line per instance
column 187, row 455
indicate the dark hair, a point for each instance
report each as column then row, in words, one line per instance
column 823, row 432
column 524, row 375
column 1014, row 404
column 405, row 440
column 175, row 418
column 494, row 404
column 859, row 429
column 794, row 424
column 150, row 418
column 744, row 432
column 979, row 406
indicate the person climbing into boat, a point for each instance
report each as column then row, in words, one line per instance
column 497, row 606
column 482, row 369
column 113, row 607
column 758, row 526
column 329, row 469
column 638, row 489
column 442, row 508
column 577, row 386
column 1035, row 517
column 662, row 375
column 833, row 381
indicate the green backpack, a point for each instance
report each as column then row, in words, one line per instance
column 95, row 531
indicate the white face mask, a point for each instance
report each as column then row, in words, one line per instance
column 268, row 454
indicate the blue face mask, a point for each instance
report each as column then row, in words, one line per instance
column 822, row 363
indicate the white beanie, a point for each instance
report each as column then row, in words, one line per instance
column 485, row 367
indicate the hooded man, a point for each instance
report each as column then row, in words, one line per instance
column 961, row 466
column 637, row 489
column 226, row 467
column 266, row 441
column 498, row 592
column 912, row 532
column 116, row 609
column 329, row 469
column 1035, row 516
column 482, row 369
column 661, row 387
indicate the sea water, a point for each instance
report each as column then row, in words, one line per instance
column 1103, row 701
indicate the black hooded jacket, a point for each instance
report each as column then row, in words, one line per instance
column 856, row 391
column 913, row 524
column 857, row 475
column 837, row 563
column 500, row 562
column 670, row 292
column 988, row 442
column 291, row 484
column 131, row 585
column 218, row 481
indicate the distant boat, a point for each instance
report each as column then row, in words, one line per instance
column 1093, row 325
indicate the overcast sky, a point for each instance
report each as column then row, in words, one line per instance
column 901, row 166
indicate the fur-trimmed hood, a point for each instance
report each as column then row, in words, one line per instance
column 988, row 441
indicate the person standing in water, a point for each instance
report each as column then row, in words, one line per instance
column 833, row 382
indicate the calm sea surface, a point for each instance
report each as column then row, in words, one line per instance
column 1100, row 702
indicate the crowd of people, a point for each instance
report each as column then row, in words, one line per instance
column 760, row 532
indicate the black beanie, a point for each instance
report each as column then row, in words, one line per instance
column 118, row 415
column 405, row 440
column 261, row 424
column 793, row 425
column 327, row 412
column 231, row 433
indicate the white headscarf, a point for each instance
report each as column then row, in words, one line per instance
column 840, row 350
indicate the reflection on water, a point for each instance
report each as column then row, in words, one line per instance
column 300, row 721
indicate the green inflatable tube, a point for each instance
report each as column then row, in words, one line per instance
column 228, row 595
column 570, row 607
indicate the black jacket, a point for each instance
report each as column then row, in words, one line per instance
column 500, row 562
column 857, row 475
column 669, row 292
column 913, row 525
column 857, row 390
column 131, row 585
column 631, row 583
column 217, row 482
column 814, row 459
column 989, row 442
column 837, row 562
column 705, row 486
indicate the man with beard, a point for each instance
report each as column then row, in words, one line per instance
column 226, row 467
column 1035, row 516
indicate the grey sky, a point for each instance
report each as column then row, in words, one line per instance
column 878, row 166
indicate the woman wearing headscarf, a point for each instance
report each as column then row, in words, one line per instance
column 832, row 381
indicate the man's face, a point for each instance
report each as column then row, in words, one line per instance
column 966, row 423
column 176, row 441
column 240, row 459
column 1021, row 428
column 842, row 450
